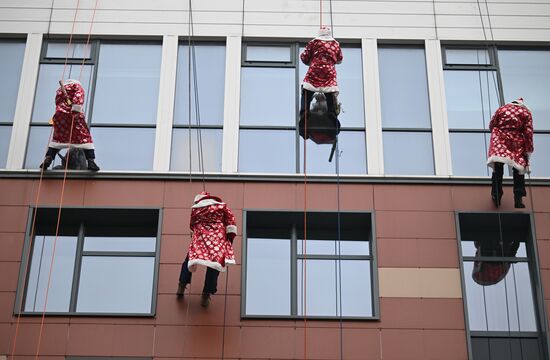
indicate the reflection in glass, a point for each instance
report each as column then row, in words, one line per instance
column 48, row 83
column 469, row 152
column 5, row 137
column 526, row 74
column 210, row 65
column 59, row 290
column 469, row 249
column 63, row 50
column 323, row 288
column 211, row 140
column 268, row 277
column 353, row 158
column 540, row 166
column 110, row 243
column 127, row 86
column 404, row 88
column 505, row 348
column 268, row 53
column 505, row 306
column 124, row 148
column 111, row 284
column 350, row 83
column 11, row 63
column 268, row 96
column 267, row 151
column 408, row 153
column 330, row 247
column 39, row 138
column 467, row 56
column 472, row 98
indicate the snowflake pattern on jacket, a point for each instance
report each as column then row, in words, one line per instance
column 511, row 136
column 213, row 227
column 321, row 56
column 64, row 117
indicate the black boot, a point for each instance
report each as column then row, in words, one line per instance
column 496, row 184
column 92, row 165
column 180, row 291
column 205, row 299
column 518, row 202
column 47, row 162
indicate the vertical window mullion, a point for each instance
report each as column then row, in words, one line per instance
column 77, row 268
column 293, row 271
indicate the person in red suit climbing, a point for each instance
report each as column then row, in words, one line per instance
column 213, row 229
column 512, row 144
column 69, row 125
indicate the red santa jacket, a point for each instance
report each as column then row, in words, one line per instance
column 321, row 54
column 511, row 136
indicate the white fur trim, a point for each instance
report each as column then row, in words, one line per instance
column 507, row 161
column 56, row 145
column 231, row 229
column 71, row 81
column 325, row 38
column 206, row 202
column 76, row 108
column 328, row 89
column 192, row 265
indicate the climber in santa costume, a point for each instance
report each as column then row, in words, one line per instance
column 321, row 55
column 512, row 144
column 69, row 102
column 213, row 229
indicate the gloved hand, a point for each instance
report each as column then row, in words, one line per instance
column 76, row 108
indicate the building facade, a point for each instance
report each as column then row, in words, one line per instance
column 394, row 250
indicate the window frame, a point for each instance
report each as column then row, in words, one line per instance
column 533, row 263
column 26, row 257
column 294, row 48
column 295, row 257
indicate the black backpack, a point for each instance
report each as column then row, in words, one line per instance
column 77, row 160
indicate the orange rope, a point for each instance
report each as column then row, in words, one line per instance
column 70, row 40
column 304, row 250
column 87, row 46
column 320, row 14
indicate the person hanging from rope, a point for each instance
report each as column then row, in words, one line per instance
column 512, row 144
column 69, row 100
column 321, row 55
column 213, row 228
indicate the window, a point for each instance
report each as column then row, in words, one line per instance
column 406, row 119
column 499, row 273
column 11, row 63
column 475, row 87
column 207, row 125
column 269, row 142
column 105, row 262
column 121, row 82
column 277, row 257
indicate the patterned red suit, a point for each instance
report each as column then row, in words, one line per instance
column 511, row 136
column 213, row 227
column 63, row 118
column 321, row 54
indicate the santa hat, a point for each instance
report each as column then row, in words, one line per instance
column 204, row 195
column 518, row 101
column 71, row 81
column 325, row 33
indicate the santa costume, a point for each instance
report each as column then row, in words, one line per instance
column 213, row 229
column 512, row 144
column 70, row 128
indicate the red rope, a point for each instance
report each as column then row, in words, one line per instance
column 70, row 41
column 87, row 46
column 320, row 14
column 304, row 250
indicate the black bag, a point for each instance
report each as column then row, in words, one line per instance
column 322, row 125
column 77, row 160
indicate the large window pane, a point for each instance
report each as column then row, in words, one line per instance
column 525, row 73
column 5, row 136
column 124, row 148
column 404, row 88
column 539, row 161
column 472, row 98
column 59, row 290
column 268, row 277
column 11, row 62
column 321, row 288
column 408, row 153
column 350, row 83
column 333, row 247
column 210, row 65
column 48, row 83
column 268, row 96
column 505, row 306
column 39, row 138
column 268, row 53
column 127, row 84
column 353, row 159
column 138, row 244
column 469, row 152
column 356, row 288
column 211, row 140
column 110, row 284
column 267, row 151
